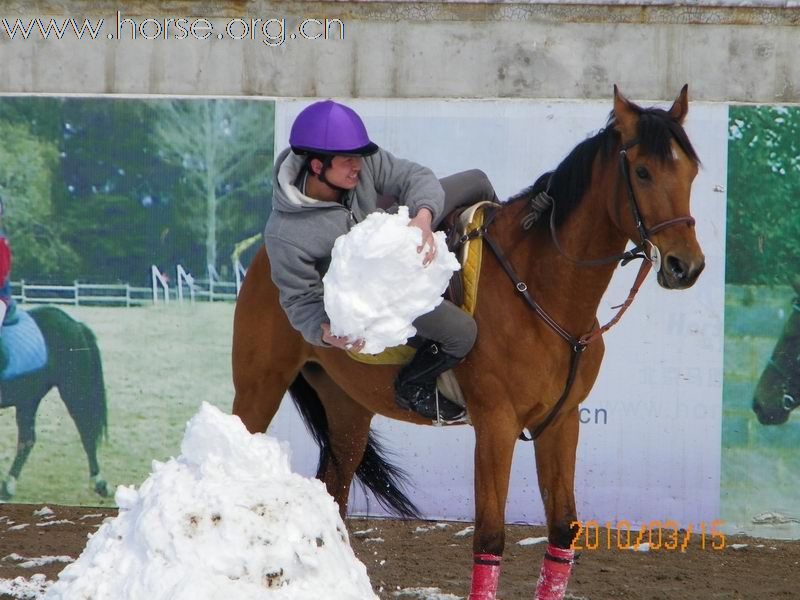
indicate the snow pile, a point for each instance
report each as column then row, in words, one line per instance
column 376, row 284
column 226, row 519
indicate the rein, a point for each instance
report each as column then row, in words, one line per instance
column 579, row 344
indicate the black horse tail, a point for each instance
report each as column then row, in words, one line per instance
column 375, row 472
column 96, row 407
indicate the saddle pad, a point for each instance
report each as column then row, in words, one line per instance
column 24, row 344
column 470, row 257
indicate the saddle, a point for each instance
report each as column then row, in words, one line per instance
column 23, row 343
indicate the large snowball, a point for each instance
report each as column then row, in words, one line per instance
column 225, row 520
column 376, row 285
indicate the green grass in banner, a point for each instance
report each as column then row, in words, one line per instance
column 160, row 363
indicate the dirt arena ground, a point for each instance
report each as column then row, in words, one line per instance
column 404, row 556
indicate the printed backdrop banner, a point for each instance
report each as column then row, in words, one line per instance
column 760, row 458
column 111, row 206
column 670, row 431
column 650, row 437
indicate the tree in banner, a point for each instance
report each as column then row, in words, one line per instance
column 225, row 150
column 763, row 194
column 27, row 165
column 116, row 191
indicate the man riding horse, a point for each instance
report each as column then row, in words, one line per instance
column 332, row 177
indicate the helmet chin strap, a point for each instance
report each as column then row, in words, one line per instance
column 333, row 186
column 321, row 176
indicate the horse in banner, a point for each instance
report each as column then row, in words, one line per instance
column 72, row 366
column 554, row 248
column 778, row 391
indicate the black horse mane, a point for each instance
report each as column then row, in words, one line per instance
column 570, row 180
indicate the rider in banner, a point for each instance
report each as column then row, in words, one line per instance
column 7, row 304
column 333, row 176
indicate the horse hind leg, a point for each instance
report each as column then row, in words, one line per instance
column 82, row 389
column 259, row 396
column 90, row 427
column 347, row 430
column 267, row 353
column 341, row 427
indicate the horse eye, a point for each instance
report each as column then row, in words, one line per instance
column 642, row 173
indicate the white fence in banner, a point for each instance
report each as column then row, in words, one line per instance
column 185, row 288
column 80, row 294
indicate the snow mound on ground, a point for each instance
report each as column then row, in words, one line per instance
column 376, row 284
column 226, row 519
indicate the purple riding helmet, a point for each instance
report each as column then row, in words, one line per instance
column 328, row 127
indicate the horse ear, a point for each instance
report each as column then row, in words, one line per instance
column 681, row 105
column 625, row 116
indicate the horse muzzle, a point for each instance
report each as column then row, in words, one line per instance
column 679, row 273
column 778, row 416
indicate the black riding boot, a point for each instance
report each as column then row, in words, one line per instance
column 415, row 387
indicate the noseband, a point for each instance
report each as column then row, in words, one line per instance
column 653, row 254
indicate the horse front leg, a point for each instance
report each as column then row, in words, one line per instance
column 555, row 465
column 26, row 438
column 495, row 437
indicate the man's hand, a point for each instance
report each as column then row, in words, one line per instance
column 423, row 221
column 340, row 342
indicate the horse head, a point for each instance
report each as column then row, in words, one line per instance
column 657, row 167
column 778, row 389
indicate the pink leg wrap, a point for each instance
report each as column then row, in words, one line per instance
column 485, row 575
column 553, row 578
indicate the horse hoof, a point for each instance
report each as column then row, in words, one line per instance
column 6, row 493
column 101, row 487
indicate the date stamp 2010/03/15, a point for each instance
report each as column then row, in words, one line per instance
column 658, row 535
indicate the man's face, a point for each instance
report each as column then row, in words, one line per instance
column 344, row 171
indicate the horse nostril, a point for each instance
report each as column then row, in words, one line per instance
column 677, row 267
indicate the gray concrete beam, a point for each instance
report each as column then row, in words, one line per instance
column 417, row 49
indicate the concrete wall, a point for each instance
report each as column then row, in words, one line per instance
column 418, row 49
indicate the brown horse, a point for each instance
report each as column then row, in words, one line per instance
column 631, row 181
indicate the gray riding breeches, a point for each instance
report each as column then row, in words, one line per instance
column 447, row 324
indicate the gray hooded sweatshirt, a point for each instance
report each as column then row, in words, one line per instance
column 301, row 231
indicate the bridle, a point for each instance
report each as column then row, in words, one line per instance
column 791, row 381
column 650, row 258
column 652, row 255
